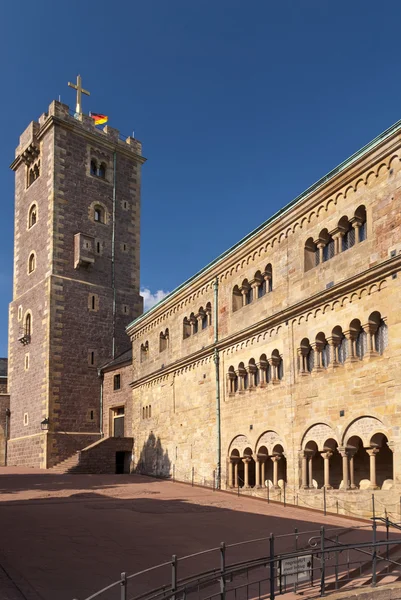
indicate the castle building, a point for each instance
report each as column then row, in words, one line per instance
column 275, row 369
column 279, row 364
column 76, row 279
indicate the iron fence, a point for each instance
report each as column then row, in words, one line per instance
column 318, row 561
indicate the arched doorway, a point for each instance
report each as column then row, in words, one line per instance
column 266, row 467
column 330, row 447
column 359, row 463
column 249, row 468
column 315, row 471
column 278, row 455
column 383, row 458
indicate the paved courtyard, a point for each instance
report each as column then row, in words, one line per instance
column 65, row 536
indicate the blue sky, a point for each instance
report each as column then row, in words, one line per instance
column 239, row 105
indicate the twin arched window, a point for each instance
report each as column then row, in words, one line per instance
column 98, row 170
column 163, row 340
column 144, row 352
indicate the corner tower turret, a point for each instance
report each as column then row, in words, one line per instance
column 76, row 279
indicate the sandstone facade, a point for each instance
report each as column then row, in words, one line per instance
column 279, row 364
column 76, row 279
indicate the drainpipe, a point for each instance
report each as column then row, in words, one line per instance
column 100, row 374
column 113, row 241
column 8, row 413
column 216, row 362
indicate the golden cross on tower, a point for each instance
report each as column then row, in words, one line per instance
column 80, row 91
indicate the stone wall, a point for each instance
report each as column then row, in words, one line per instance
column 328, row 405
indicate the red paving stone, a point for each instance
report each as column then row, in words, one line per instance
column 66, row 536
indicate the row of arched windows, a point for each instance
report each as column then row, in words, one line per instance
column 98, row 170
column 248, row 291
column 352, row 344
column 197, row 322
column 328, row 244
column 254, row 374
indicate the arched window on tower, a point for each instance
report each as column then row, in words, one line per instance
column 102, row 171
column 347, row 234
column 99, row 214
column 31, row 263
column 32, row 216
column 28, row 325
column 93, row 167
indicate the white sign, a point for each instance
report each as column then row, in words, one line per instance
column 296, row 570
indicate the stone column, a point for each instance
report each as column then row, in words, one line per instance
column 370, row 330
column 337, row 237
column 326, row 457
column 267, row 278
column 344, row 456
column 275, row 460
column 333, row 352
column 372, row 457
column 310, row 471
column 262, row 468
column 356, row 225
column 352, row 484
column 262, row 370
column 352, row 346
column 320, row 245
column 304, row 484
column 257, row 472
column 246, row 462
column 230, row 473
column 273, row 365
column 317, row 348
column 236, row 473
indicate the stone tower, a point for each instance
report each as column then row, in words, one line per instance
column 76, row 279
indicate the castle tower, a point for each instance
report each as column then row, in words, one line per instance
column 76, row 279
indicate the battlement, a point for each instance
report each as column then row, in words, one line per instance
column 62, row 111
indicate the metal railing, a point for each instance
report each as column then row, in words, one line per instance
column 327, row 501
column 314, row 560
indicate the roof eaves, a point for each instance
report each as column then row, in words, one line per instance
column 315, row 186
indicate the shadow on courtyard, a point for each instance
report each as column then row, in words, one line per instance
column 153, row 461
column 71, row 547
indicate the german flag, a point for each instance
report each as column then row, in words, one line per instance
column 98, row 118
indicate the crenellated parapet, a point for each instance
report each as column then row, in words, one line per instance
column 62, row 114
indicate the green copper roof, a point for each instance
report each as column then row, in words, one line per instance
column 341, row 167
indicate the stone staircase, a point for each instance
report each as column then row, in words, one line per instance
column 99, row 457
